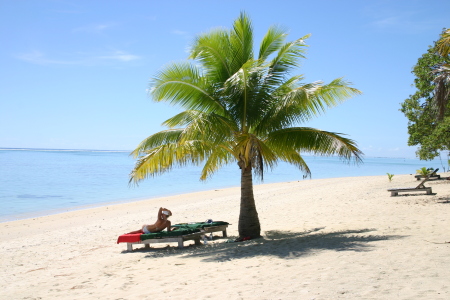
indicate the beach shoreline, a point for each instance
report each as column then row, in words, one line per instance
column 322, row 239
column 55, row 211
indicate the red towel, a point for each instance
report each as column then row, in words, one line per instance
column 129, row 238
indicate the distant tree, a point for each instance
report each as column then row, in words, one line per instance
column 240, row 106
column 429, row 119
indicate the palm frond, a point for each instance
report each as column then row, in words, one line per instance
column 212, row 50
column 318, row 142
column 298, row 103
column 287, row 58
column 155, row 140
column 209, row 127
column 443, row 45
column 241, row 42
column 330, row 95
column 183, row 84
column 219, row 157
column 272, row 41
column 294, row 158
column 163, row 158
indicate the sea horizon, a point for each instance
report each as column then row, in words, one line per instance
column 43, row 181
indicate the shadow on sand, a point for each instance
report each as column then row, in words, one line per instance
column 281, row 244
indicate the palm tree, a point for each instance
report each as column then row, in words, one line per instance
column 442, row 77
column 239, row 108
column 441, row 90
column 443, row 45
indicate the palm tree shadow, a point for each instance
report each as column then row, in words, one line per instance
column 283, row 244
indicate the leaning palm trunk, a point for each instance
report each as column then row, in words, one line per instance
column 248, row 218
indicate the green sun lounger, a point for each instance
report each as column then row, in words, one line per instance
column 178, row 236
column 205, row 227
column 183, row 232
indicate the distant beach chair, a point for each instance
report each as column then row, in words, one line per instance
column 420, row 188
column 433, row 174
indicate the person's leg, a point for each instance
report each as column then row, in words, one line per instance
column 136, row 231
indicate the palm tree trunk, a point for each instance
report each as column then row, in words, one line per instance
column 248, row 216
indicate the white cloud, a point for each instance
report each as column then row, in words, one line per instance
column 120, row 56
column 387, row 22
column 400, row 21
column 37, row 57
column 94, row 28
column 179, row 32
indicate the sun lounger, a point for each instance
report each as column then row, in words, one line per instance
column 184, row 232
column 432, row 175
column 206, row 227
column 178, row 236
column 419, row 188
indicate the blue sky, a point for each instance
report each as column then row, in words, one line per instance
column 74, row 74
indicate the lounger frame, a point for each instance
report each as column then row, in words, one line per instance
column 419, row 177
column 211, row 229
column 178, row 239
column 419, row 188
column 394, row 192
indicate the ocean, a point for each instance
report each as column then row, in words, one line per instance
column 36, row 182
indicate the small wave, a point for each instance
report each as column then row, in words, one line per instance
column 64, row 150
column 28, row 196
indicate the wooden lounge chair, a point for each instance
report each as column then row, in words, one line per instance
column 184, row 232
column 177, row 239
column 419, row 188
column 433, row 174
column 178, row 236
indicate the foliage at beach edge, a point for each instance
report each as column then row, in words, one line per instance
column 427, row 110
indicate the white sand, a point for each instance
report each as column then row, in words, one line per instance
column 342, row 238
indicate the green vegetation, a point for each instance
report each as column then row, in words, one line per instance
column 427, row 109
column 423, row 171
column 390, row 176
column 241, row 108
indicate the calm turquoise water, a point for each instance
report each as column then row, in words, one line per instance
column 37, row 182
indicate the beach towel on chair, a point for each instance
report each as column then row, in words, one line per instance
column 129, row 238
column 199, row 225
column 137, row 237
column 165, row 234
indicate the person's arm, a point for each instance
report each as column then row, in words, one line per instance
column 160, row 213
column 169, row 224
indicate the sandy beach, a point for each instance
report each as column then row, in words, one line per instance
column 341, row 238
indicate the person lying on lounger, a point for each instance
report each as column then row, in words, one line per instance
column 160, row 224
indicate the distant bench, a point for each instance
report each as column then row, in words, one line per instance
column 431, row 175
column 418, row 177
column 419, row 188
column 394, row 192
